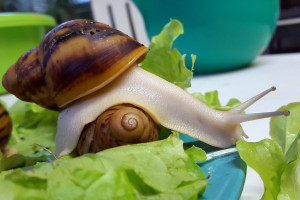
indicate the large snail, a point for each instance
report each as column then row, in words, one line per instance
column 5, row 127
column 83, row 68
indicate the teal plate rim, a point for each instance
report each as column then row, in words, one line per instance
column 225, row 174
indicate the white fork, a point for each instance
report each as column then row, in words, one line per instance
column 122, row 15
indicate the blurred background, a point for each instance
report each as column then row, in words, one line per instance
column 285, row 40
column 287, row 34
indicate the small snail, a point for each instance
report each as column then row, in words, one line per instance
column 5, row 127
column 116, row 126
column 82, row 68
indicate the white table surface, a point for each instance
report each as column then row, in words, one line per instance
column 281, row 71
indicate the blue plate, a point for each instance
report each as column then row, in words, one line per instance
column 225, row 173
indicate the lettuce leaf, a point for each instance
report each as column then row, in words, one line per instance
column 166, row 62
column 290, row 182
column 293, row 151
column 277, row 160
column 267, row 159
column 32, row 125
column 155, row 170
column 284, row 130
column 212, row 99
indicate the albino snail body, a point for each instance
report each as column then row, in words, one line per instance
column 82, row 68
column 168, row 105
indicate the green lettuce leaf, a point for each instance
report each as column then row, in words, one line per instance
column 212, row 99
column 298, row 157
column 293, row 151
column 277, row 160
column 32, row 125
column 290, row 182
column 284, row 130
column 267, row 159
column 155, row 170
column 166, row 62
column 196, row 154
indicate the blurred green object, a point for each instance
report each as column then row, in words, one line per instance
column 20, row 32
column 224, row 35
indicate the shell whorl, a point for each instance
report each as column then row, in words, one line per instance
column 119, row 125
column 5, row 127
column 74, row 59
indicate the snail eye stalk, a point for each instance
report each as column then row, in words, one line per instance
column 237, row 117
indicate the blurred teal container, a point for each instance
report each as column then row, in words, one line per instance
column 224, row 35
column 20, row 32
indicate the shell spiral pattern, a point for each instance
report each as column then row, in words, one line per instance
column 119, row 125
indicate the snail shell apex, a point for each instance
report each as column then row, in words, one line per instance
column 74, row 59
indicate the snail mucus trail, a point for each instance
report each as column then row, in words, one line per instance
column 86, row 69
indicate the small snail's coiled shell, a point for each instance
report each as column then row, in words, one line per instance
column 5, row 127
column 74, row 59
column 119, row 125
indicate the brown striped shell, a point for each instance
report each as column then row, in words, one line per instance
column 119, row 125
column 74, row 59
column 5, row 127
